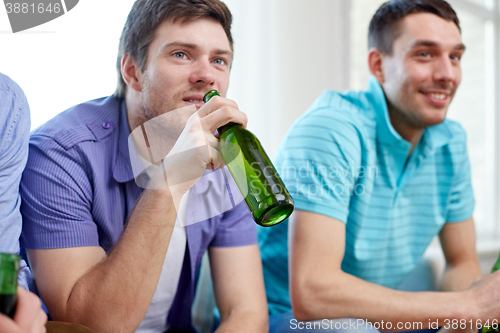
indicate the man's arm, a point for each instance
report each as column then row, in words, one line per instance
column 320, row 289
column 239, row 288
column 82, row 285
column 458, row 241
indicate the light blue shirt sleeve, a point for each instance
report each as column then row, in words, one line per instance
column 461, row 200
column 14, row 137
column 316, row 162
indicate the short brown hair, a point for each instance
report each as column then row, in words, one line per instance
column 145, row 17
column 384, row 26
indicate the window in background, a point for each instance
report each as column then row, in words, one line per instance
column 473, row 105
column 65, row 61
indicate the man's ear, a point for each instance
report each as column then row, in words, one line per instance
column 375, row 59
column 131, row 72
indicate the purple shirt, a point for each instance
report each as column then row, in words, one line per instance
column 78, row 189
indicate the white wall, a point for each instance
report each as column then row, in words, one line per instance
column 66, row 61
column 286, row 53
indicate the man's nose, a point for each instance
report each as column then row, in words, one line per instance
column 203, row 73
column 446, row 70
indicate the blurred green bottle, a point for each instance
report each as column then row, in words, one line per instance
column 265, row 194
column 491, row 328
column 9, row 268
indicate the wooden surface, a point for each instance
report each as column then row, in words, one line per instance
column 60, row 327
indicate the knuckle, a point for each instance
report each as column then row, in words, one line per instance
column 233, row 104
column 227, row 111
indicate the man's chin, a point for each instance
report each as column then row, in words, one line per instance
column 433, row 121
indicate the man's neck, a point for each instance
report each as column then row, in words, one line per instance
column 411, row 134
column 134, row 121
column 133, row 111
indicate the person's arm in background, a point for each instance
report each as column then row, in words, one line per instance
column 14, row 136
column 458, row 236
column 458, row 241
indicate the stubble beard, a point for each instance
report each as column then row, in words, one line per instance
column 410, row 114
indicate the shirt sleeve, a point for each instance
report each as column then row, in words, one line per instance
column 461, row 198
column 317, row 161
column 57, row 198
column 236, row 228
column 14, row 136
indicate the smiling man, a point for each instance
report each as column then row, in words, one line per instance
column 98, row 242
column 375, row 175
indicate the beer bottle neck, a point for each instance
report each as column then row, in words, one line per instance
column 224, row 128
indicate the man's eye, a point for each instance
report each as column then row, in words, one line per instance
column 455, row 57
column 180, row 55
column 220, row 61
column 424, row 54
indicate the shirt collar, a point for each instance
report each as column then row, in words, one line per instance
column 435, row 137
column 122, row 168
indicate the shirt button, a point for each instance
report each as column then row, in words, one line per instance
column 106, row 125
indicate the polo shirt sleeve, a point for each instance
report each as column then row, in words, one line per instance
column 236, row 228
column 57, row 197
column 319, row 162
column 461, row 198
column 14, row 135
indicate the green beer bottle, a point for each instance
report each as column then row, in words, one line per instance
column 493, row 327
column 265, row 194
column 9, row 268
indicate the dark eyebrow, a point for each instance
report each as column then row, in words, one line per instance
column 193, row 47
column 430, row 43
column 221, row 52
column 181, row 44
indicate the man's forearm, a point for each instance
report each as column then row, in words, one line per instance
column 460, row 277
column 117, row 292
column 346, row 296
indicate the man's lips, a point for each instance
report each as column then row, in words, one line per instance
column 437, row 97
column 196, row 100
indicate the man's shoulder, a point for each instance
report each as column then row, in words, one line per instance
column 349, row 114
column 341, row 105
column 89, row 121
column 454, row 130
column 12, row 97
column 7, row 84
column 335, row 118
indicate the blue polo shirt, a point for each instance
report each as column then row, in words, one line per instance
column 78, row 189
column 343, row 159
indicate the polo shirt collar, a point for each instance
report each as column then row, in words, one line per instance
column 122, row 168
column 436, row 137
